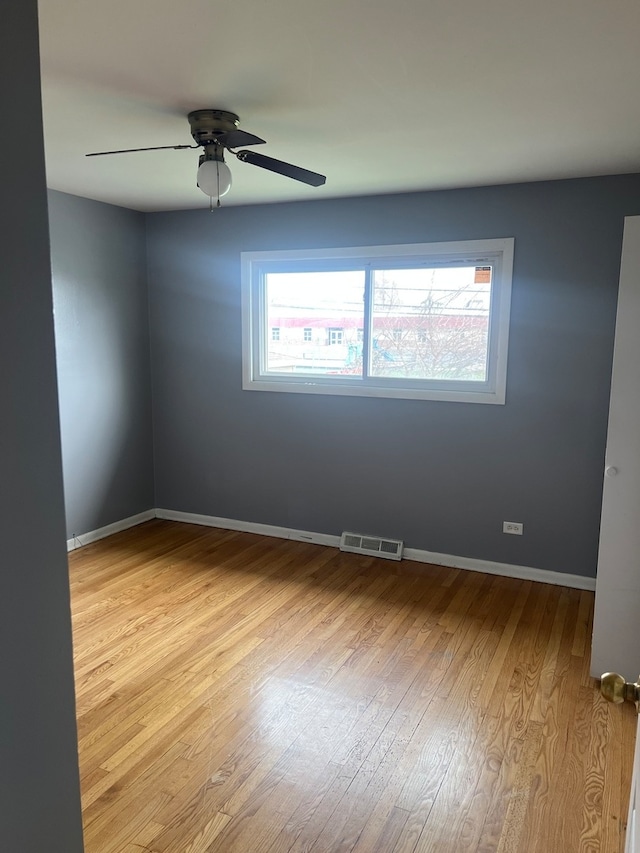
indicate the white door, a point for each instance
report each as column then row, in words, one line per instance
column 616, row 629
column 632, row 844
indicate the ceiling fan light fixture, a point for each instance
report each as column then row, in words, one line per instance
column 214, row 178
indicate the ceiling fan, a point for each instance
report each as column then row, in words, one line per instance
column 217, row 130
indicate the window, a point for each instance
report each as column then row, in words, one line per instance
column 419, row 321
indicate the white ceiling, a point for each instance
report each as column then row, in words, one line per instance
column 380, row 97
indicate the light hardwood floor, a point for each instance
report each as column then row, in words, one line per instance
column 244, row 694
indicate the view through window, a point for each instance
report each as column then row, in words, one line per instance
column 428, row 323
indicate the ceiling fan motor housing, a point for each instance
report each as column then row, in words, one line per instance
column 208, row 126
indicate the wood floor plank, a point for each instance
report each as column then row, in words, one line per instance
column 239, row 693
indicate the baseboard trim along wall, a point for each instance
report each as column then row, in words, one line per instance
column 249, row 527
column 507, row 570
column 81, row 539
column 415, row 554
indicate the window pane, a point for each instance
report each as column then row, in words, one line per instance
column 320, row 316
column 431, row 323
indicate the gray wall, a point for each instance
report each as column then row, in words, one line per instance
column 102, row 342
column 39, row 792
column 441, row 476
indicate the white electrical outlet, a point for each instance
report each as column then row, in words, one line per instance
column 515, row 527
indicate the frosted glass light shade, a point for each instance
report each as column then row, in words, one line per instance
column 214, row 178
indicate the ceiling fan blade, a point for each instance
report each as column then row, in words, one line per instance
column 234, row 138
column 131, row 150
column 286, row 169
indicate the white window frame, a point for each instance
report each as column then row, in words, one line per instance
column 497, row 252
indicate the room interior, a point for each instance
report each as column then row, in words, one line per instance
column 146, row 302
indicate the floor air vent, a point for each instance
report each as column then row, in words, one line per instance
column 374, row 546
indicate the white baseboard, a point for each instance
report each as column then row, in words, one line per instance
column 415, row 554
column 507, row 570
column 249, row 527
column 103, row 532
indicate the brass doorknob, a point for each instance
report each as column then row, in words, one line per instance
column 615, row 689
